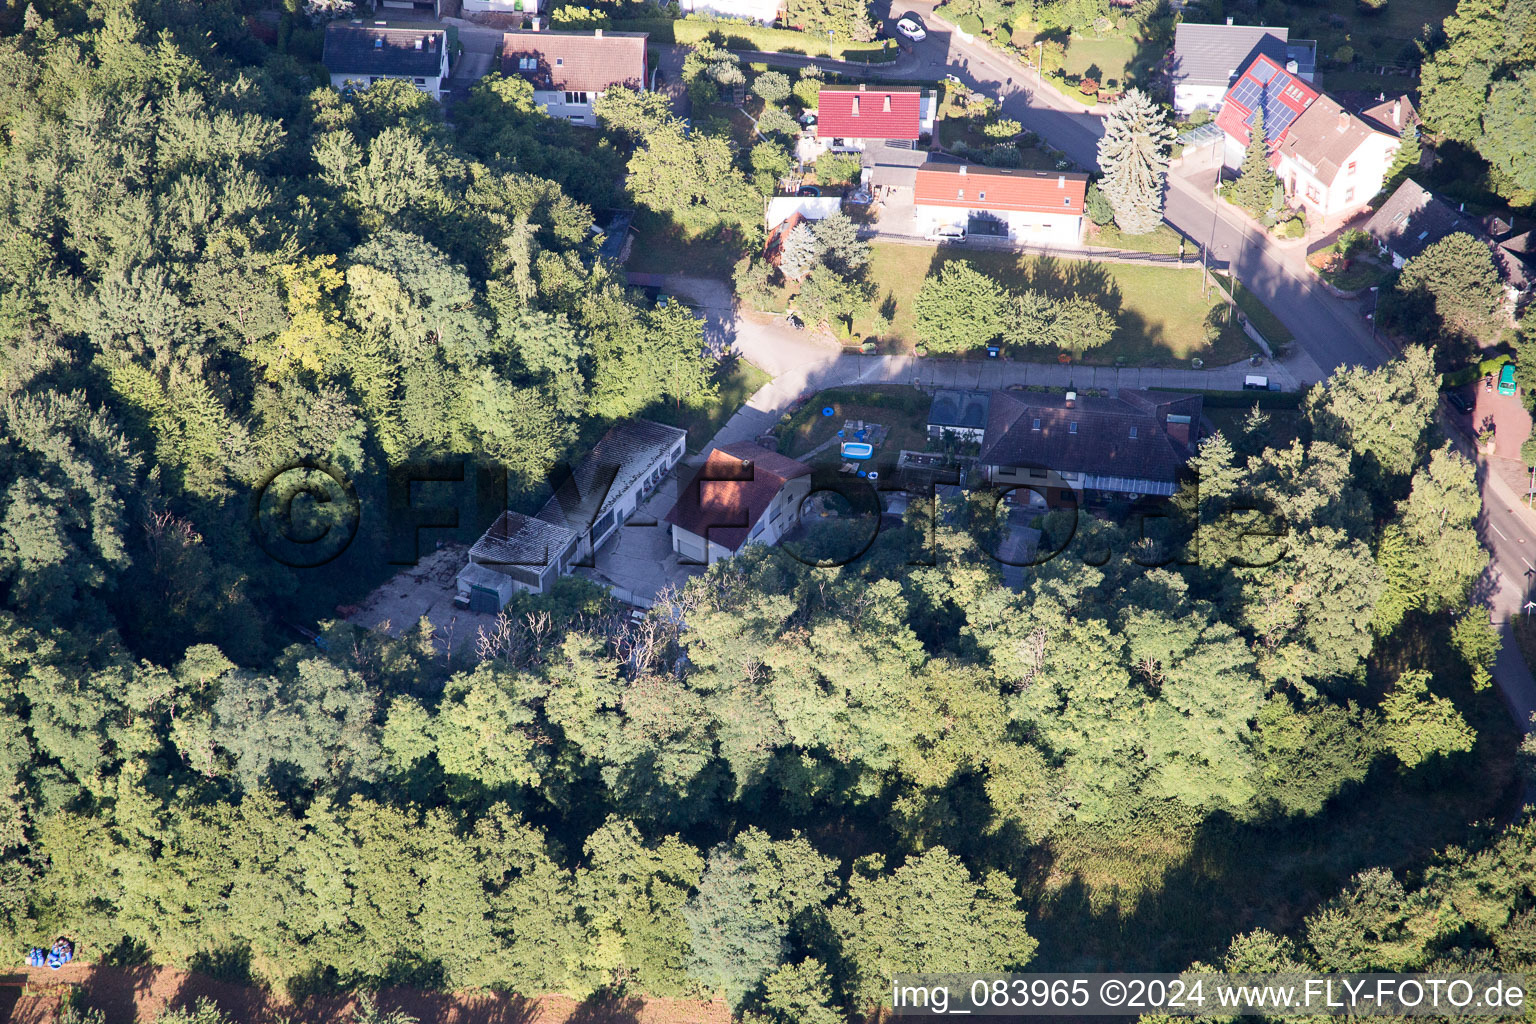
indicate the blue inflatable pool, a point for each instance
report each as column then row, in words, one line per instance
column 857, row 450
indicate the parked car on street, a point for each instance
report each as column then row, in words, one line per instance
column 948, row 233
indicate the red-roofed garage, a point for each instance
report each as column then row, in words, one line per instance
column 1022, row 206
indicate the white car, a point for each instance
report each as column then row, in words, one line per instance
column 912, row 29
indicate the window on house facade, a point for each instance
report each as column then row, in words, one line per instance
column 1350, row 168
column 419, row 81
column 527, row 63
column 1312, row 194
column 1349, row 194
column 574, row 99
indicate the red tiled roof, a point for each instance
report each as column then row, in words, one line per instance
column 1281, row 93
column 576, row 61
column 991, row 188
column 773, row 247
column 869, row 114
column 731, row 491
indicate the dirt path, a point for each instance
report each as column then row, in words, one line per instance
column 129, row 994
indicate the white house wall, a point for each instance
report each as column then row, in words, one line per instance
column 1053, row 228
column 764, row 12
column 555, row 106
column 432, row 86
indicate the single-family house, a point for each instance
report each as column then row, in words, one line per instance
column 854, row 117
column 1265, row 84
column 620, row 472
column 773, row 245
column 958, row 415
column 1413, row 218
column 1020, row 205
column 743, row 494
column 570, row 70
column 778, row 209
column 357, row 55
column 517, row 553
column 1208, row 58
column 1072, row 450
column 1330, row 161
column 764, row 12
column 1333, row 162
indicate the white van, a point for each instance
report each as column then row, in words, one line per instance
column 1254, row 382
column 948, row 233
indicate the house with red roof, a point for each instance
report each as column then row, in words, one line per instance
column 743, row 494
column 1020, row 205
column 1265, row 85
column 851, row 117
column 1331, row 162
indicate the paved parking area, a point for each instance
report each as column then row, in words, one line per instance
column 638, row 562
column 1506, row 414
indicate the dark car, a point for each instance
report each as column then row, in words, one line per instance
column 1459, row 401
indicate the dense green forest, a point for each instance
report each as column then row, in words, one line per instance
column 779, row 788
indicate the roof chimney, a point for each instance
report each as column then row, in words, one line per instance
column 887, row 105
column 1292, row 67
column 597, row 34
column 855, row 111
column 1397, row 112
column 962, row 168
column 1071, row 398
column 419, row 42
column 1343, row 121
column 861, row 87
column 1061, row 181
column 1229, row 19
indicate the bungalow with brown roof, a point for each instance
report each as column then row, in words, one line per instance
column 743, row 494
column 570, row 70
column 1070, row 449
column 1413, row 218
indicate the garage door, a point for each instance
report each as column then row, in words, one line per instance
column 690, row 547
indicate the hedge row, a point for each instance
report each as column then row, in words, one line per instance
column 743, row 36
column 1477, row 371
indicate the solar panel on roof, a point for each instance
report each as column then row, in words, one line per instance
column 1262, row 71
column 1246, row 93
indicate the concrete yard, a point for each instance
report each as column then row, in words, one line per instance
column 426, row 588
column 638, row 561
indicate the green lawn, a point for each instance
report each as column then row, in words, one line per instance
column 662, row 246
column 1107, row 59
column 903, row 409
column 1163, row 240
column 1160, row 309
column 1269, row 325
column 738, row 380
